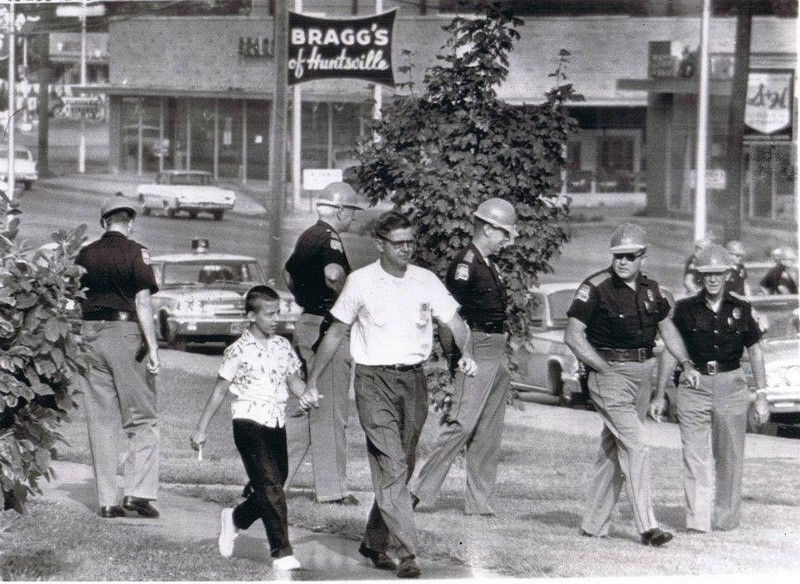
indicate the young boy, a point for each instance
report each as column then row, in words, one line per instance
column 258, row 368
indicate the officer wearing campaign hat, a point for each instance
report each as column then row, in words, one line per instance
column 716, row 328
column 691, row 280
column 611, row 328
column 782, row 277
column 737, row 277
column 118, row 317
column 315, row 274
column 477, row 401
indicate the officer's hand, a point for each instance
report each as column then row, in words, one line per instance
column 467, row 366
column 153, row 363
column 310, row 397
column 691, row 375
column 656, row 407
column 197, row 439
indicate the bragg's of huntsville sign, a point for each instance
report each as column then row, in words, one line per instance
column 324, row 48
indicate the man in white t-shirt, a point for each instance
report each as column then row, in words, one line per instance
column 390, row 306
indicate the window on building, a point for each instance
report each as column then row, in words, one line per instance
column 769, row 181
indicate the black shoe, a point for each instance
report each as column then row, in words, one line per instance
column 655, row 537
column 408, row 568
column 141, row 507
column 111, row 512
column 379, row 559
column 348, row 500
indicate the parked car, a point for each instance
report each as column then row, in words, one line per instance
column 188, row 191
column 18, row 188
column 153, row 145
column 543, row 362
column 25, row 169
column 201, row 297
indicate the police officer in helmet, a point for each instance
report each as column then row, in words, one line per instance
column 315, row 274
column 118, row 315
column 613, row 321
column 716, row 327
column 478, row 403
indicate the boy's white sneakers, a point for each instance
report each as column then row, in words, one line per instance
column 286, row 563
column 227, row 533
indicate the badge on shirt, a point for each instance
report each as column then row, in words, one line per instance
column 146, row 256
column 583, row 293
column 737, row 313
column 337, row 245
column 462, row 272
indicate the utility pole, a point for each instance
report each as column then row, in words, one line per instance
column 700, row 207
column 277, row 151
column 82, row 142
column 12, row 98
column 735, row 146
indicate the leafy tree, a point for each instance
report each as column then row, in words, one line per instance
column 41, row 354
column 439, row 154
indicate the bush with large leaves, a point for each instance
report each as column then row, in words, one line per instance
column 438, row 154
column 42, row 353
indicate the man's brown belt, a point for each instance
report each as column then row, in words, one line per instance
column 640, row 355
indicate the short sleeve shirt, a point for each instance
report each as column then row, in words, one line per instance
column 117, row 268
column 617, row 316
column 716, row 336
column 477, row 286
column 392, row 318
column 317, row 247
column 258, row 375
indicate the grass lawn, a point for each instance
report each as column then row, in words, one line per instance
column 541, row 485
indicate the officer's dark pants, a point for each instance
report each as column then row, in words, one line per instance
column 476, row 421
column 321, row 431
column 392, row 407
column 117, row 387
column 263, row 452
column 713, row 423
column 621, row 398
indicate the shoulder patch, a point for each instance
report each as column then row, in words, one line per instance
column 599, row 278
column 462, row 272
column 582, row 293
column 337, row 245
column 146, row 256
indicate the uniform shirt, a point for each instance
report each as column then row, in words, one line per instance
column 716, row 336
column 476, row 285
column 117, row 268
column 776, row 276
column 736, row 280
column 617, row 317
column 392, row 318
column 318, row 246
column 258, row 376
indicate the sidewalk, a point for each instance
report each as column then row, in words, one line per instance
column 185, row 519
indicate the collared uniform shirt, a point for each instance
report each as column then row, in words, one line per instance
column 716, row 336
column 616, row 316
column 477, row 286
column 392, row 318
column 117, row 268
column 317, row 246
column 258, row 375
column 736, row 280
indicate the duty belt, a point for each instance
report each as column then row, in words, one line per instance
column 399, row 367
column 642, row 354
column 110, row 314
column 491, row 326
column 714, row 367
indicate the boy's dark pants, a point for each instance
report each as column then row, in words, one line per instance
column 263, row 452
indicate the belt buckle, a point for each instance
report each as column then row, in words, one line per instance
column 712, row 367
column 641, row 354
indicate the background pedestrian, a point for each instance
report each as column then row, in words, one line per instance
column 737, row 277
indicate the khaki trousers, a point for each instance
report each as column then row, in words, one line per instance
column 621, row 398
column 713, row 423
column 476, row 422
column 118, row 388
column 321, row 431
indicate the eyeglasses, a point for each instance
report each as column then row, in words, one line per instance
column 628, row 256
column 398, row 245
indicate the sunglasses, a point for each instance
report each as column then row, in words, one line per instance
column 398, row 245
column 628, row 256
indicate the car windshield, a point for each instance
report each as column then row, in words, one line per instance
column 209, row 274
column 20, row 154
column 191, row 179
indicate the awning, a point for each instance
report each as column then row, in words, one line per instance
column 230, row 93
column 678, row 85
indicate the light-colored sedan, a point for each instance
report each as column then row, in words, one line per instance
column 201, row 297
column 187, row 191
column 25, row 169
column 544, row 363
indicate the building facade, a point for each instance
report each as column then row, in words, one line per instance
column 196, row 92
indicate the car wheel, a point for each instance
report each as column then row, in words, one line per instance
column 192, row 214
column 217, row 215
column 27, row 185
column 556, row 385
column 173, row 341
column 754, row 423
column 170, row 212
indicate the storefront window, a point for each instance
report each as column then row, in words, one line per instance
column 605, row 161
column 770, row 174
column 202, row 120
column 142, row 140
column 258, row 123
column 230, row 139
